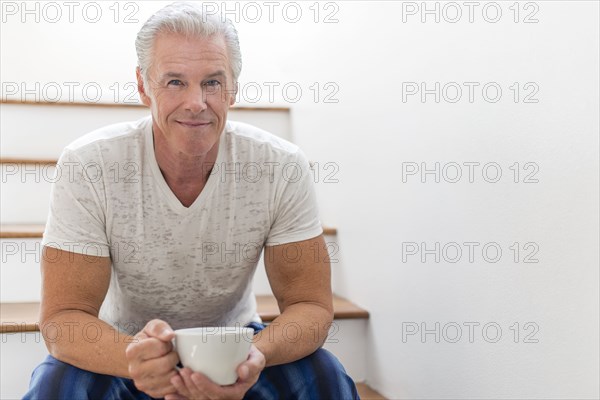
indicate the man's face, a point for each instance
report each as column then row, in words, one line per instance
column 191, row 90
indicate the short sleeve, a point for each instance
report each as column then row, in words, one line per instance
column 76, row 220
column 296, row 214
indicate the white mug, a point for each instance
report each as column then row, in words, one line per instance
column 214, row 351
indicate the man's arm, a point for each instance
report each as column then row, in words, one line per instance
column 300, row 277
column 73, row 289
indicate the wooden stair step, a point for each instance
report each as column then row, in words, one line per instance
column 366, row 393
column 23, row 317
column 19, row 317
column 342, row 308
column 18, row 231
column 18, row 160
column 15, row 231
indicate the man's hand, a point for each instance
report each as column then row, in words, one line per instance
column 152, row 360
column 194, row 385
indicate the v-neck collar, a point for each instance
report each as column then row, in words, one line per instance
column 170, row 197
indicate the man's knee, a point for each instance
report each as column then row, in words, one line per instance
column 331, row 377
column 46, row 379
column 317, row 376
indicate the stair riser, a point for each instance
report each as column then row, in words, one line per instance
column 25, row 193
column 346, row 340
column 54, row 127
column 20, row 270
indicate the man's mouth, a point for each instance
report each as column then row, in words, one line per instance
column 193, row 124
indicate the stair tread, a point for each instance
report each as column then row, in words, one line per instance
column 367, row 393
column 343, row 309
column 19, row 231
column 23, row 317
column 28, row 160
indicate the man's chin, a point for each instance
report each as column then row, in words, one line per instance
column 195, row 148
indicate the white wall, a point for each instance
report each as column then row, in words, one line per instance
column 370, row 54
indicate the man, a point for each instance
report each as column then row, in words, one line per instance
column 160, row 198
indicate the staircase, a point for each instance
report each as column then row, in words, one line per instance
column 33, row 135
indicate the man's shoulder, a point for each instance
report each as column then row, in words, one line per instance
column 253, row 136
column 113, row 133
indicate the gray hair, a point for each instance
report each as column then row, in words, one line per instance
column 190, row 20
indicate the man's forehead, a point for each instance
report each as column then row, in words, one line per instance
column 175, row 54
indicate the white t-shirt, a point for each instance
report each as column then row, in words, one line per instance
column 188, row 266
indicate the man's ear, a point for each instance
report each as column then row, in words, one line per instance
column 141, row 90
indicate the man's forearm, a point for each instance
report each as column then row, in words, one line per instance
column 86, row 342
column 299, row 331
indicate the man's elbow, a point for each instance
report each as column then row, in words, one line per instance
column 60, row 332
column 325, row 320
column 52, row 334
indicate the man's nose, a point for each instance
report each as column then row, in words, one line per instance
column 195, row 99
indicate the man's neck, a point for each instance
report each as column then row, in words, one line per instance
column 185, row 175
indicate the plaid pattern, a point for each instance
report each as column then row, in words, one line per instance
column 317, row 376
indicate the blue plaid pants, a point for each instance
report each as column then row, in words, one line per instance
column 319, row 376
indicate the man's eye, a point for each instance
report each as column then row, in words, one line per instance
column 212, row 83
column 175, row 82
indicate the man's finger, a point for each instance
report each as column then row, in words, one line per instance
column 148, row 349
column 179, row 384
column 243, row 372
column 159, row 329
column 199, row 384
column 154, row 376
column 252, row 366
column 160, row 366
column 175, row 396
column 153, row 348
